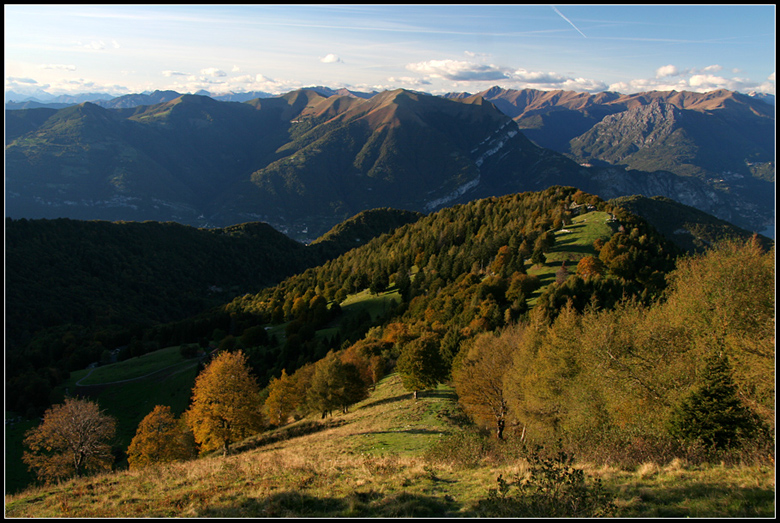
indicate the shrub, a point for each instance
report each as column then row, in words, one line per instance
column 553, row 488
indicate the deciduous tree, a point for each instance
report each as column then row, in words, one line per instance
column 160, row 438
column 73, row 439
column 282, row 399
column 225, row 403
column 479, row 378
column 335, row 385
column 420, row 364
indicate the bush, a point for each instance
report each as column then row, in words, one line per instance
column 553, row 488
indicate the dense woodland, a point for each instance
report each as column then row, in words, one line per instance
column 607, row 358
column 78, row 289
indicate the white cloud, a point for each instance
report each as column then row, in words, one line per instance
column 213, row 72
column 465, row 73
column 115, row 44
column 667, row 70
column 14, row 80
column 174, row 73
column 476, row 55
column 330, row 59
column 692, row 79
column 408, row 81
column 62, row 67
column 458, row 71
column 96, row 45
column 235, row 69
column 243, row 79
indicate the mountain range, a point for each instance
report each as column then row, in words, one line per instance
column 311, row 158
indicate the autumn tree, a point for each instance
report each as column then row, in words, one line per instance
column 160, row 438
column 335, row 385
column 479, row 377
column 282, row 399
column 589, row 266
column 420, row 364
column 73, row 439
column 225, row 403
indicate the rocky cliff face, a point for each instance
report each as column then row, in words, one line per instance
column 620, row 135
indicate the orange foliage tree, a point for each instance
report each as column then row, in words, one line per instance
column 72, row 439
column 160, row 438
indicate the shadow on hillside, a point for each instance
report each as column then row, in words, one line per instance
column 386, row 401
column 569, row 245
column 440, row 394
column 402, row 431
column 676, row 501
column 285, row 433
column 357, row 504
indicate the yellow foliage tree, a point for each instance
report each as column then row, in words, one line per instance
column 282, row 399
column 479, row 378
column 160, row 438
column 225, row 403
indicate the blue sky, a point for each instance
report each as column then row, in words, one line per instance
column 123, row 49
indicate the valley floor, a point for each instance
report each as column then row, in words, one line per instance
column 371, row 462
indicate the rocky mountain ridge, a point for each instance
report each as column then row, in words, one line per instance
column 307, row 160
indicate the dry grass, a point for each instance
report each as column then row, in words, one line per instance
column 369, row 463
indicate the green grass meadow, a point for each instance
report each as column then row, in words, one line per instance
column 372, row 462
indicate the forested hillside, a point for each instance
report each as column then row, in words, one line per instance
column 557, row 318
column 461, row 271
column 305, row 161
column 76, row 289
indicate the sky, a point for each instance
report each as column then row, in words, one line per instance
column 123, row 49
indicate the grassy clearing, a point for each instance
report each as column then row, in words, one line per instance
column 572, row 243
column 375, row 304
column 369, row 463
column 132, row 368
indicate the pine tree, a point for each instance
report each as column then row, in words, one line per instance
column 713, row 413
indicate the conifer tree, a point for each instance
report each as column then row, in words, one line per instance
column 713, row 413
column 282, row 399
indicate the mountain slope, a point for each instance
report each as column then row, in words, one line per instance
column 689, row 228
column 724, row 138
column 305, row 161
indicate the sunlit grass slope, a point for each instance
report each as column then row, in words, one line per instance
column 371, row 462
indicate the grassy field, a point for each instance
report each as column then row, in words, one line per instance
column 371, row 462
column 133, row 368
column 572, row 243
column 127, row 390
